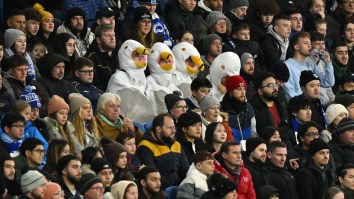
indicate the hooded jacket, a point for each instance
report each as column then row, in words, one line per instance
column 194, row 185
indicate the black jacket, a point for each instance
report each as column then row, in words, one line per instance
column 187, row 146
column 89, row 91
column 254, row 49
column 262, row 113
column 340, row 152
column 287, row 134
column 260, row 175
column 53, row 86
column 298, row 152
column 271, row 51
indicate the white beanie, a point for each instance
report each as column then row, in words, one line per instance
column 11, row 36
column 333, row 111
column 76, row 101
column 31, row 180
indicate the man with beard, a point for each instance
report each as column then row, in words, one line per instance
column 76, row 26
column 255, row 157
column 315, row 178
column 104, row 56
column 33, row 185
column 339, row 53
column 281, row 178
column 211, row 48
column 247, row 73
column 300, row 44
column 310, row 86
column 267, row 108
column 158, row 147
column 7, row 172
column 149, row 184
column 69, row 174
column 240, row 114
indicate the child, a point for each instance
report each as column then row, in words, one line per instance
column 127, row 139
column 38, row 50
column 241, row 37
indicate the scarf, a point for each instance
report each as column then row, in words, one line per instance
column 31, row 73
column 118, row 123
column 283, row 43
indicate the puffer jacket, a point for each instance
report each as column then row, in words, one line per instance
column 194, row 185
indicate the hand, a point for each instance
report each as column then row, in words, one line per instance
column 129, row 124
column 294, row 165
column 322, row 14
column 327, row 56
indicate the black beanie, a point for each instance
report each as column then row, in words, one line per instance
column 344, row 125
column 223, row 187
column 188, row 118
column 64, row 161
column 99, row 164
column 282, row 72
column 141, row 13
column 86, row 181
column 252, row 144
column 307, row 76
column 74, row 12
column 171, row 100
column 317, row 145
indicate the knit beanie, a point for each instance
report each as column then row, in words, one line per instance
column 349, row 77
column 238, row 3
column 76, row 100
column 56, row 103
column 30, row 97
column 45, row 14
column 252, row 143
column 235, row 82
column 112, row 149
column 208, row 40
column 213, row 18
column 188, row 118
column 64, row 161
column 76, row 11
column 345, row 99
column 118, row 189
column 317, row 145
column 11, row 36
column 333, row 111
column 344, row 125
column 171, row 100
column 31, row 180
column 223, row 187
column 245, row 57
column 105, row 12
column 86, row 181
column 207, row 102
column 52, row 189
column 99, row 164
column 307, row 76
column 141, row 13
column 282, row 72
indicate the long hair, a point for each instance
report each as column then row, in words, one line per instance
column 65, row 133
column 59, row 46
column 209, row 135
column 55, row 147
column 148, row 41
column 79, row 125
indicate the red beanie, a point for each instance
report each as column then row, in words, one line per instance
column 235, row 82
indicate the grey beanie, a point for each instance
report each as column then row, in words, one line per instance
column 207, row 102
column 11, row 36
column 76, row 101
column 213, row 18
column 238, row 3
column 208, row 40
column 244, row 58
column 31, row 180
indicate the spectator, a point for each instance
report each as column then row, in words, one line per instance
column 161, row 66
column 275, row 42
column 103, row 170
column 215, row 135
column 33, row 185
column 46, row 33
column 12, row 126
column 149, row 183
column 339, row 52
column 346, row 84
column 124, row 189
column 345, row 182
column 84, row 75
column 349, row 40
column 211, row 48
column 220, row 187
column 76, row 25
column 334, row 114
column 281, row 178
column 127, row 139
column 342, row 142
column 185, row 36
column 270, row 134
column 90, row 186
column 333, row 193
column 17, row 19
column 8, row 173
column 88, row 155
column 195, row 183
column 227, row 161
column 7, row 97
column 236, row 11
column 57, row 149
column 347, row 100
column 313, row 180
column 268, row 192
column 188, row 134
column 301, row 45
column 104, row 55
column 110, row 122
column 69, row 171
column 296, row 21
column 33, row 18
column 161, row 138
column 53, row 189
column 175, row 105
column 200, row 87
column 240, row 114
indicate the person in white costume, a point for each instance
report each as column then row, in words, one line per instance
column 225, row 65
column 161, row 63
column 138, row 102
column 188, row 65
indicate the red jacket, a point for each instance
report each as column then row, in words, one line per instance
column 245, row 188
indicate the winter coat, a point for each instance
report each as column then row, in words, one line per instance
column 58, row 87
column 252, row 47
column 260, row 175
column 187, row 146
column 89, row 91
column 298, row 152
column 194, row 185
column 133, row 164
column 271, row 51
column 341, row 152
column 6, row 100
column 170, row 160
column 288, row 132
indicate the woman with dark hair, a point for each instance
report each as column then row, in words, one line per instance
column 215, row 135
column 270, row 134
column 57, row 148
column 88, row 155
column 333, row 193
column 46, row 33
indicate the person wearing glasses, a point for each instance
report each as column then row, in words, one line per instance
column 12, row 125
column 90, row 186
column 267, row 107
column 53, row 72
column 175, row 105
column 84, row 77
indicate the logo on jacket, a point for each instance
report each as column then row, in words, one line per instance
column 245, row 179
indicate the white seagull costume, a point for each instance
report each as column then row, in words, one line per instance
column 138, row 101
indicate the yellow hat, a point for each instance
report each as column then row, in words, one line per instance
column 45, row 14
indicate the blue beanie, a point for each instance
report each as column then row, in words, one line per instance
column 30, row 97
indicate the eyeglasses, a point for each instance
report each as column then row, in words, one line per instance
column 221, row 23
column 18, row 126
column 181, row 107
column 145, row 22
column 98, row 188
column 40, row 151
column 87, row 72
column 271, row 85
column 312, row 134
